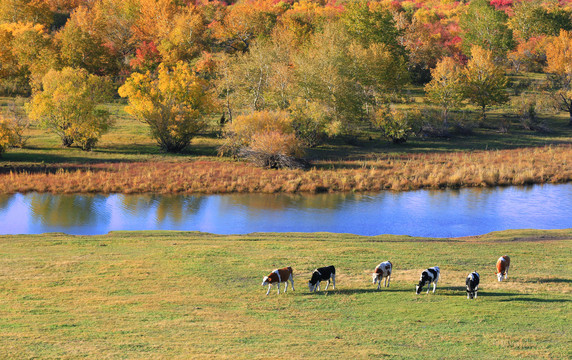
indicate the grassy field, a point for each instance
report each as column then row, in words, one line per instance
column 166, row 295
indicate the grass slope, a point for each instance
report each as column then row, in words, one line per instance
column 143, row 295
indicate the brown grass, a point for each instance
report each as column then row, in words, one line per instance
column 549, row 164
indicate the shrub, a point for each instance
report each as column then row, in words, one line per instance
column 240, row 132
column 274, row 150
column 309, row 122
column 266, row 138
column 526, row 108
column 8, row 134
column 396, row 125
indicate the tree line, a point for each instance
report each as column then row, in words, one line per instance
column 282, row 76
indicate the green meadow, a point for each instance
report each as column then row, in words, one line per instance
column 182, row 295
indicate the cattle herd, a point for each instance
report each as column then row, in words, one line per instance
column 382, row 272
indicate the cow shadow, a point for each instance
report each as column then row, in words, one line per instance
column 355, row 291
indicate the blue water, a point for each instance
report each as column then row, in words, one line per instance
column 448, row 213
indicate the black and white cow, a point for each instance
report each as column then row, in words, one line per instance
column 428, row 277
column 472, row 283
column 322, row 274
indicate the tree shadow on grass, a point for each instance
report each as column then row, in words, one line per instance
column 538, row 300
column 487, row 293
column 553, row 280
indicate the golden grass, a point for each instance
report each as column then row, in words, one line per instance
column 548, row 164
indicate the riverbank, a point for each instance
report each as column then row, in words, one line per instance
column 127, row 160
column 175, row 295
column 523, row 166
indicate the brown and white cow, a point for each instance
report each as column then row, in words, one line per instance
column 382, row 270
column 279, row 276
column 503, row 263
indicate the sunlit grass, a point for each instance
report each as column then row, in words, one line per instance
column 549, row 164
column 143, row 295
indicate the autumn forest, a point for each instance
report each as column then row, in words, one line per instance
column 276, row 78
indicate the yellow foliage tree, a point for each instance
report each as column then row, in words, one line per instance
column 8, row 134
column 172, row 102
column 185, row 40
column 484, row 82
column 559, row 68
column 68, row 105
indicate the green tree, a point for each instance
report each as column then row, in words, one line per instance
column 484, row 82
column 325, row 76
column 487, row 28
column 172, row 102
column 68, row 105
column 371, row 23
column 445, row 87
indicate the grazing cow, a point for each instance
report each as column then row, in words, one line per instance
column 382, row 270
column 503, row 263
column 428, row 277
column 472, row 283
column 279, row 276
column 322, row 274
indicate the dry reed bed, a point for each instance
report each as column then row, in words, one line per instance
column 550, row 164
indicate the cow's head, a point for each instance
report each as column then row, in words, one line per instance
column 265, row 281
column 499, row 276
column 375, row 278
column 418, row 288
column 311, row 286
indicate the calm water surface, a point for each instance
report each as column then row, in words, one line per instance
column 418, row 213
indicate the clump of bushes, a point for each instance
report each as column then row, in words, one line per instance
column 526, row 108
column 396, row 125
column 11, row 133
column 267, row 138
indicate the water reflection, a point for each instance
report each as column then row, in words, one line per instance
column 67, row 210
column 419, row 213
column 166, row 208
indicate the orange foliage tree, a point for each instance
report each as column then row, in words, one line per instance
column 559, row 67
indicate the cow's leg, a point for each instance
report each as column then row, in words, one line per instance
column 286, row 286
column 319, row 285
column 327, row 284
column 434, row 286
column 506, row 273
column 269, row 287
column 334, row 280
column 387, row 279
column 278, row 284
column 475, row 296
column 291, row 281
